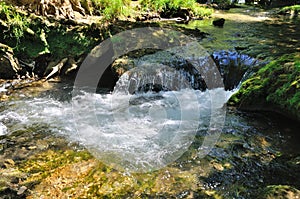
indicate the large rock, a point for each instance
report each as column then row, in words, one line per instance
column 9, row 65
column 182, row 13
column 233, row 66
column 275, row 87
column 41, row 64
column 174, row 63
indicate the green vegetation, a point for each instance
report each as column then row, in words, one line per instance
column 293, row 11
column 111, row 9
column 116, row 8
column 202, row 11
column 32, row 35
column 275, row 87
column 12, row 22
column 294, row 8
column 175, row 6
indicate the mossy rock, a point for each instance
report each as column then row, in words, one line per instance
column 280, row 192
column 275, row 87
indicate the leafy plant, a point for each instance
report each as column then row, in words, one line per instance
column 15, row 23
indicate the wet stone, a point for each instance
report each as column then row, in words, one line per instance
column 22, row 190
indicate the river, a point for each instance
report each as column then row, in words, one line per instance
column 153, row 143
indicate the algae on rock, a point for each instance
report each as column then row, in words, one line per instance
column 275, row 87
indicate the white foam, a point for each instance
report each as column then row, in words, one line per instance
column 143, row 131
column 3, row 129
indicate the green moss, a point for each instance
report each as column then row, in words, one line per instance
column 44, row 163
column 55, row 170
column 280, row 191
column 32, row 35
column 276, row 85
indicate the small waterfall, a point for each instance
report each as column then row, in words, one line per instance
column 235, row 68
column 153, row 77
column 166, row 70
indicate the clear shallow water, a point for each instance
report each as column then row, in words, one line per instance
column 251, row 31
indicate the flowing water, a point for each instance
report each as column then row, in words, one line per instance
column 252, row 31
column 147, row 130
column 164, row 131
column 157, row 130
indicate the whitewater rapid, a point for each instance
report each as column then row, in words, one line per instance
column 131, row 131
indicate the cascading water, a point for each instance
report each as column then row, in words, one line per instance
column 148, row 121
column 136, row 131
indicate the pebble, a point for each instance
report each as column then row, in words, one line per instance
column 32, row 147
column 21, row 190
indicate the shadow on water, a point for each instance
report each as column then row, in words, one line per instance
column 265, row 154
